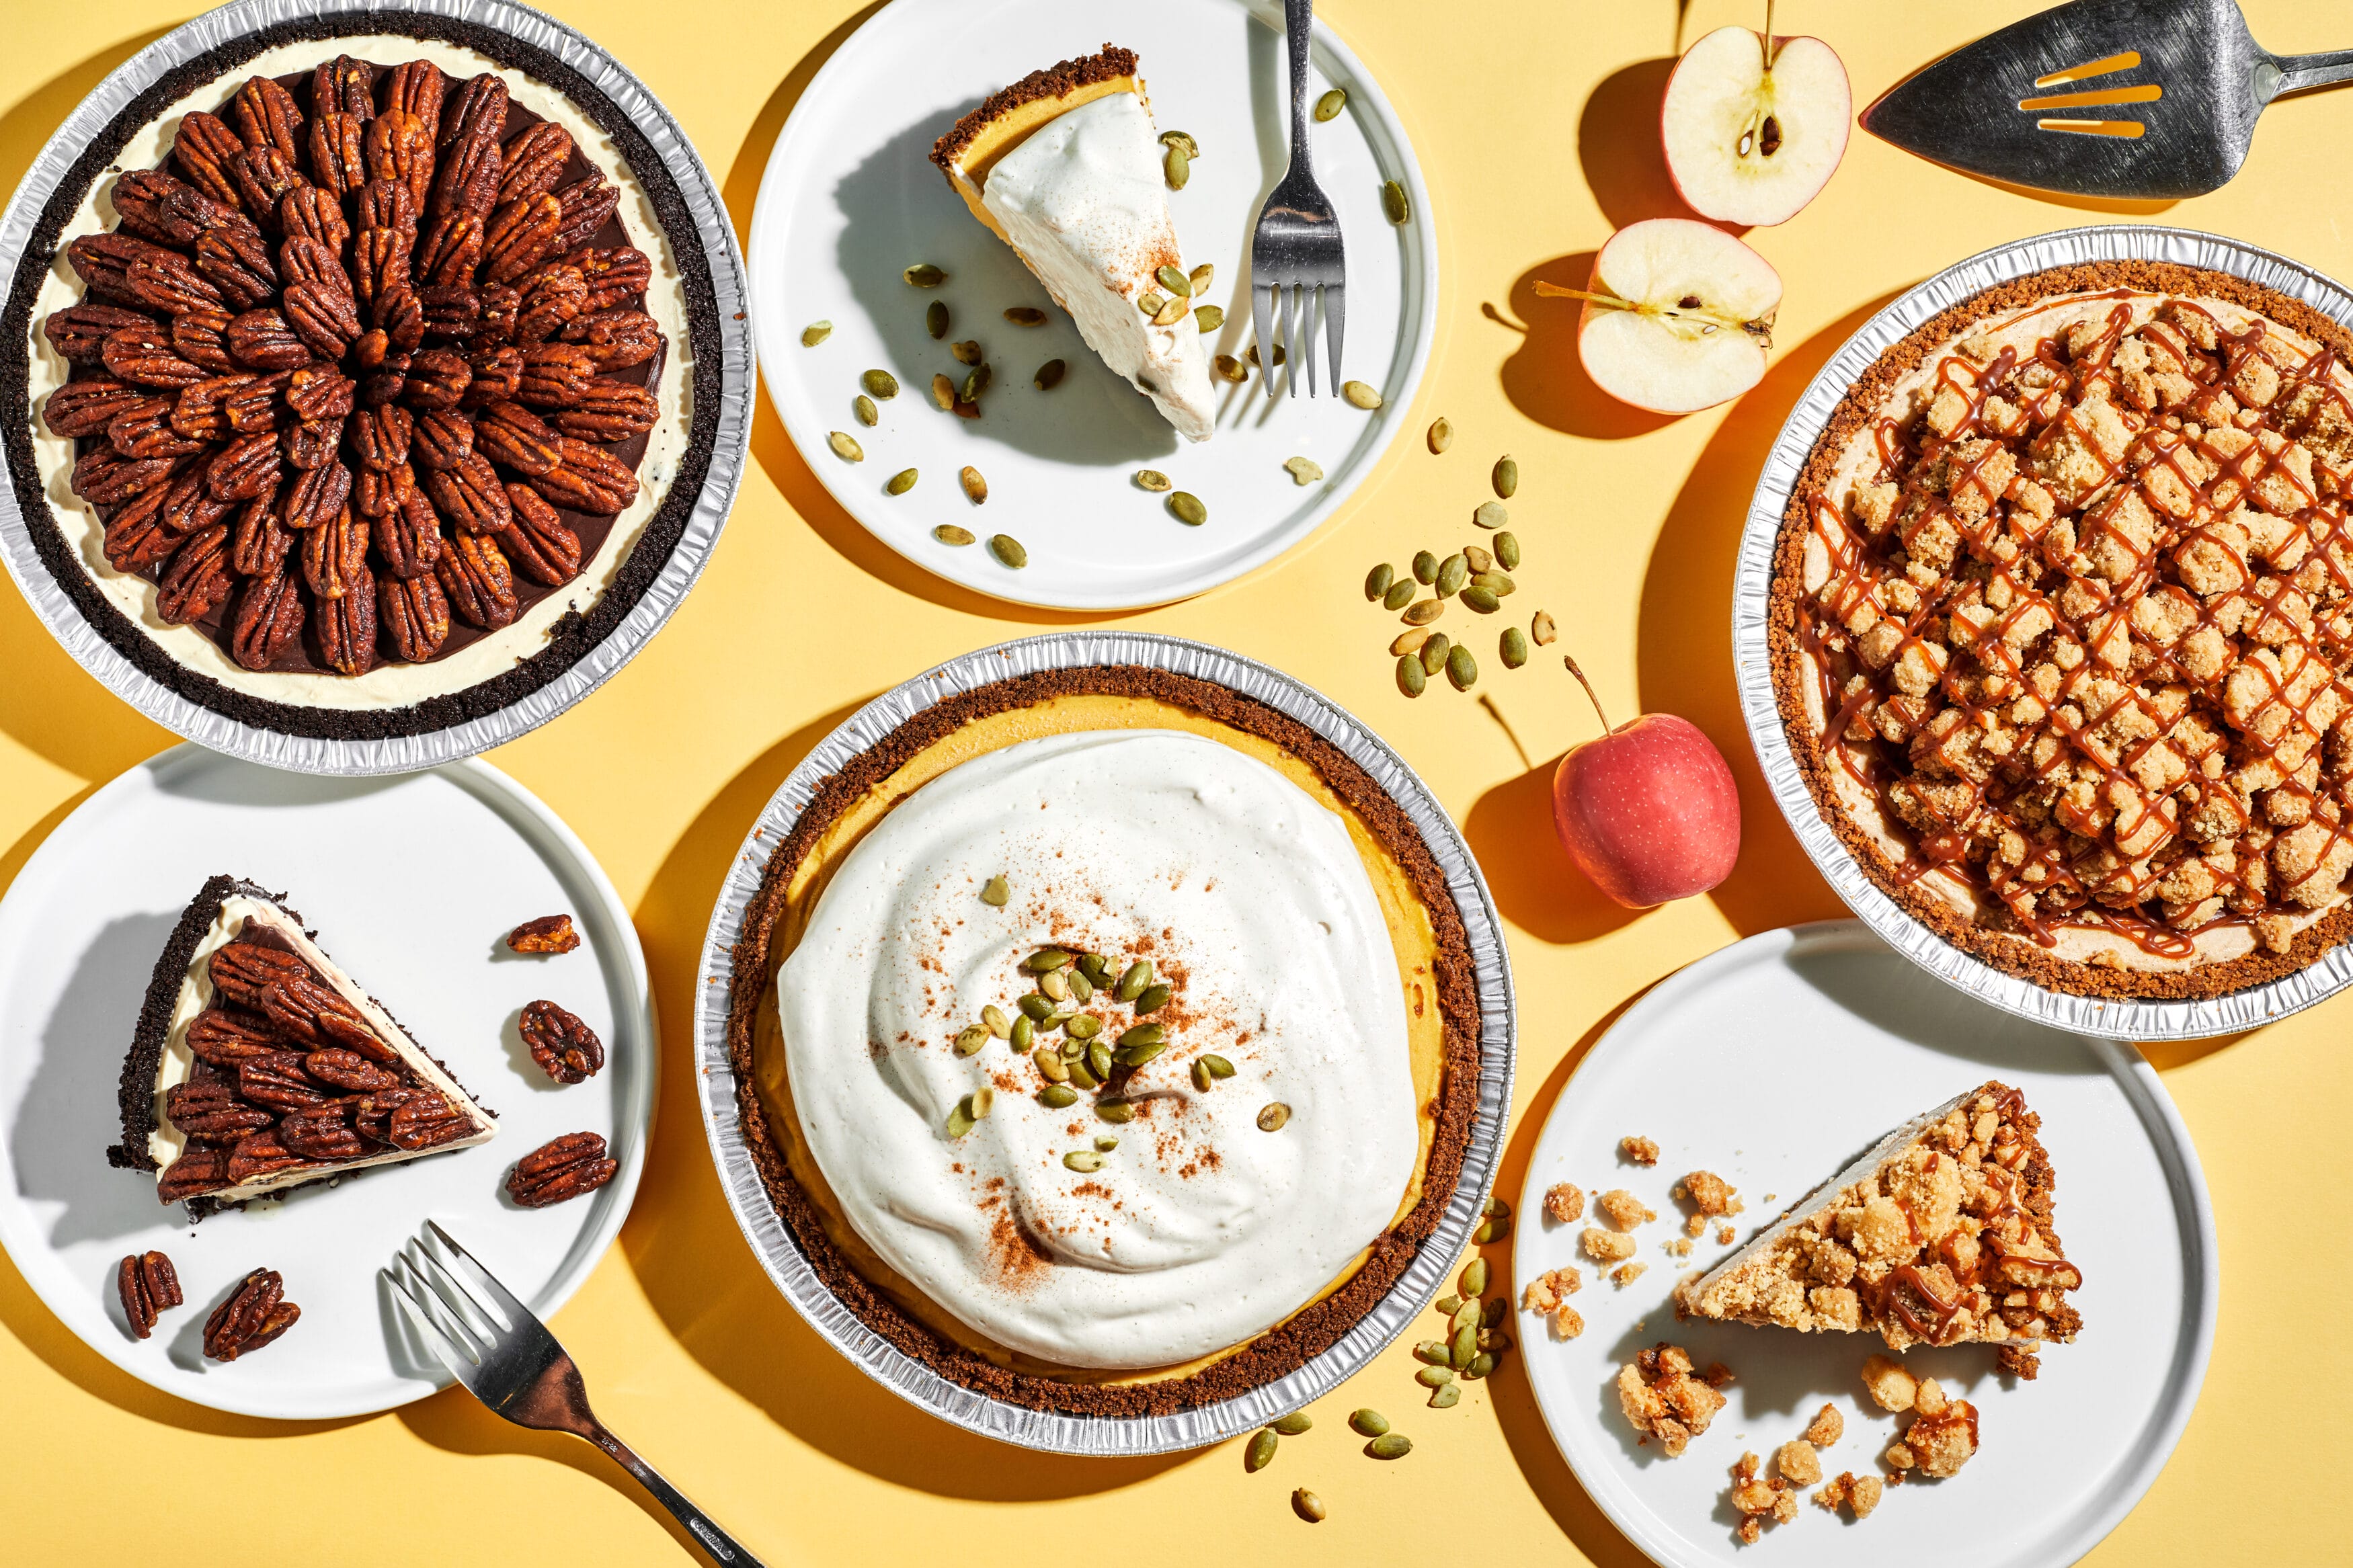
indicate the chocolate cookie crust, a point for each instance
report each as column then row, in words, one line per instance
column 573, row 634
column 1067, row 76
column 1313, row 1329
column 1996, row 941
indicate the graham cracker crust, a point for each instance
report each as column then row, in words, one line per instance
column 1065, row 76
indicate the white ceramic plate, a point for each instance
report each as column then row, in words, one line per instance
column 850, row 199
column 1773, row 1063
column 412, row 884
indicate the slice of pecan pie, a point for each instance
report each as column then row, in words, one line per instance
column 258, row 1065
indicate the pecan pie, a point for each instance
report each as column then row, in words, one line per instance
column 2060, row 623
column 370, row 389
column 258, row 1065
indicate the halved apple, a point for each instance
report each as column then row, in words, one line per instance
column 1753, row 128
column 1678, row 317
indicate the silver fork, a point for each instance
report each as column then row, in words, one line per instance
column 508, row 1360
column 1297, row 244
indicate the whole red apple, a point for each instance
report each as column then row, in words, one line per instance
column 1648, row 810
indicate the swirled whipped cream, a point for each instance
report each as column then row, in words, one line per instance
column 1198, row 1231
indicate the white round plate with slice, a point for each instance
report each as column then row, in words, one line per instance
column 850, row 199
column 1773, row 1063
column 412, row 884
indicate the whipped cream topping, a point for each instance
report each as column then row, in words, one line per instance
column 1083, row 200
column 1199, row 1230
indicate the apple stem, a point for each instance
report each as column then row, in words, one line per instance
column 1589, row 695
column 1713, row 319
column 1772, row 45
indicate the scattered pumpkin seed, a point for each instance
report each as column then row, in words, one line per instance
column 1463, row 1348
column 1542, row 629
column 1492, row 1229
column 1411, row 678
column 815, row 333
column 1229, row 368
column 1188, row 509
column 1492, row 1339
column 1093, row 965
column 943, row 392
column 1507, row 549
column 863, row 406
column 1411, row 640
column 974, row 383
column 1055, row 984
column 1431, row 1353
column 1446, row 1396
column 1114, row 1110
column 1474, row 1277
column 1201, row 1078
column 1082, row 990
column 1024, row 1035
column 1481, row 1365
column 1442, row 434
column 1272, row 1118
column 1007, row 549
column 1293, row 1425
column 1083, row 1026
column 1083, row 1159
column 1259, row 1452
column 1099, row 1058
column 881, row 383
column 1025, row 316
column 1434, row 1376
column 1150, row 301
column 994, row 891
column 1434, row 652
column 1178, row 166
column 1210, row 318
column 1035, row 1007
column 1304, row 470
column 1480, row 560
column 1050, row 375
column 1142, row 1035
column 982, row 1101
column 1359, row 395
column 1452, row 573
column 845, row 446
column 923, row 275
column 1423, row 613
column 1490, row 514
column 1496, row 583
column 1152, row 479
column 1219, row 1067
column 1049, row 1063
column 1425, row 566
column 1058, row 1095
column 1308, row 1506
column 967, row 352
column 1448, row 1305
column 960, row 1118
column 994, row 1018
column 1368, row 1422
column 1251, row 353
column 1134, row 979
column 902, row 483
column 935, row 318
column 1462, row 669
column 975, row 489
column 1179, row 139
column 1045, row 959
column 1329, row 106
column 1175, row 280
column 970, row 1038
column 1506, row 478
column 1155, row 998
column 1513, row 648
column 1481, row 599
column 1172, row 311
column 1377, row 580
column 1399, row 595
column 1466, row 1314
column 1395, row 203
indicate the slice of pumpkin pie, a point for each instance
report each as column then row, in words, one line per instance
column 1941, row 1235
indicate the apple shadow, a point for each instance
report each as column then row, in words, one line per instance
column 1543, row 376
column 1619, row 147
column 1536, row 885
column 1685, row 635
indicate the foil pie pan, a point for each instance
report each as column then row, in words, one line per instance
column 1056, row 1431
column 732, row 352
column 2109, row 1018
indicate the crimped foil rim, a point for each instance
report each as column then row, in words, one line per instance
column 1057, row 1431
column 730, row 449
column 2109, row 1018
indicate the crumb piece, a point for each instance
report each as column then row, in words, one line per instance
column 1712, row 1195
column 1760, row 1502
column 1564, row 1202
column 1798, row 1462
column 1696, row 1226
column 1897, row 1458
column 1929, row 1399
column 1724, row 1234
column 1606, row 1246
column 1942, row 1437
column 1546, row 1291
column 1892, row 1388
column 1768, row 1198
column 2020, row 1360
column 1717, row 1375
column 1641, row 1150
column 1677, row 1193
column 1566, row 1322
column 1626, row 1274
column 1859, row 1494
column 1828, row 1426
column 1744, row 1468
column 1679, row 1247
column 1623, row 1209
column 1661, row 1399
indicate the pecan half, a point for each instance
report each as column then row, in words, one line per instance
column 243, row 971
column 615, row 275
column 86, row 408
column 278, row 1082
column 145, row 354
column 427, row 1121
column 102, row 261
column 334, row 554
column 373, row 1112
column 264, row 340
column 269, row 613
column 345, row 84
column 138, row 536
column 533, row 160
column 588, row 478
column 496, row 330
column 103, row 476
column 259, row 541
column 348, row 1070
column 209, row 1109
column 237, row 263
column 312, row 444
column 346, row 625
column 166, row 281
column 415, row 614
column 548, row 933
column 139, row 195
column 415, row 88
column 556, row 375
column 322, row 1133
column 337, row 158
column 308, row 1011
column 201, row 1168
column 380, row 437
column 384, row 236
column 202, row 144
column 566, row 1050
column 566, row 1167
column 387, row 380
column 616, row 339
column 399, row 148
column 226, row 1036
column 498, row 375
column 266, row 116
column 480, row 584
column 451, row 247
column 259, row 404
column 197, row 579
column 469, row 494
column 189, row 506
column 408, row 534
column 325, row 319
column 587, row 202
column 451, row 312
column 149, row 1286
column 262, row 177
column 317, row 496
column 438, row 378
column 256, row 1312
column 542, row 545
column 247, row 466
column 520, row 235
column 79, row 332
column 201, row 411
column 444, row 438
column 259, row 1154
column 144, row 430
column 471, row 158
column 314, row 213
column 552, row 299
column 380, row 490
column 400, row 315
column 201, row 337
column 320, row 392
column 511, row 434
column 301, row 259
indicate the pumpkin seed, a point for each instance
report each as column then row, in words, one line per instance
column 1358, row 394
column 923, row 275
column 1099, row 1058
column 1083, row 1159
column 1395, row 203
column 1188, row 509
column 1434, row 652
column 1462, row 669
column 1152, row 479
column 1114, row 1110
column 1425, row 568
column 960, row 1119
column 982, row 1101
column 1423, row 613
column 1293, row 1425
column 1026, row 316
column 1201, row 1079
column 1452, row 573
column 1434, row 1376
column 1105, row 1142
column 1474, row 1277
column 1448, row 1305
column 974, row 383
column 1150, row 301
column 902, row 483
column 1304, row 470
column 815, row 333
column 1155, row 998
column 1272, row 1118
column 1411, row 640
column 1513, row 648
column 1506, row 478
column 1482, row 600
column 1377, row 580
column 966, row 352
column 1507, row 549
column 1178, row 166
column 943, row 392
column 1368, row 1422
column 1495, row 1206
column 1480, row 560
column 1329, row 106
column 1481, row 1365
column 1035, row 1007
column 1466, row 1314
column 1462, row 1348
column 1007, row 549
column 1251, row 353
column 1083, row 1075
column 970, row 1038
column 993, row 1020
column 1542, row 629
column 1431, row 1353
column 846, row 446
column 1199, row 277
column 1229, row 368
column 1055, row 984
column 1259, row 1453
column 1209, row 318
column 1442, row 434
column 1175, row 280
column 863, row 406
column 1490, row 514
column 1045, row 959
column 1411, row 678
column 1308, row 1506
column 1082, row 989
column 1058, row 1095
column 1491, row 1338
column 1496, row 583
column 975, row 489
column 881, row 383
column 1142, row 1035
column 1172, row 311
column 1219, row 1067
column 1049, row 1063
column 994, row 891
column 1023, row 1034
column 1134, row 979
column 1083, row 1027
column 1094, row 966
column 1495, row 1229
column 1446, row 1396
column 935, row 318
column 1399, row 595
column 1050, row 375
column 1179, row 139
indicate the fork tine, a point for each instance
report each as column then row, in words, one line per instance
column 1263, row 323
column 1296, row 336
column 1335, row 305
column 460, row 1364
column 1308, row 308
column 462, row 1330
column 516, row 1312
column 460, row 1301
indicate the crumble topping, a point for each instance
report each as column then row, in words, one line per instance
column 1859, row 1494
column 1639, row 1150
column 1661, row 1399
column 1942, row 1437
column 1623, row 1209
column 1827, row 1426
column 1760, row 1500
column 1564, row 1202
column 1798, row 1462
column 1626, row 1274
column 1606, row 1246
column 1711, row 1195
column 1890, row 1387
column 1549, row 1293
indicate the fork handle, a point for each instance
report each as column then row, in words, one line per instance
column 721, row 1546
column 2300, row 73
column 1299, row 28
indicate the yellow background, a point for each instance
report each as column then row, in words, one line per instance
column 1535, row 122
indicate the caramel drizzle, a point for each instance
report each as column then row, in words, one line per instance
column 2103, row 888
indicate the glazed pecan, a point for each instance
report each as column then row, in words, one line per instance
column 348, row 1070
column 308, row 1011
column 468, row 180
column 102, row 261
column 208, row 1110
column 400, row 316
column 334, row 554
column 243, row 971
column 316, row 497
column 316, row 214
column 415, row 88
column 264, row 340
column 612, row 411
column 237, row 263
column 201, row 337
column 566, row 1050
column 498, row 373
column 200, row 147
column 139, row 196
column 500, row 302
column 534, row 162
column 566, row 1167
column 399, row 148
column 469, row 494
column 321, row 1133
column 137, row 536
column 326, row 319
column 86, row 408
column 301, row 259
column 256, row 1156
column 197, row 579
column 269, row 613
column 548, row 933
column 385, row 382
column 226, row 1036
column 374, row 1114
column 541, row 545
column 337, row 161
column 408, row 535
column 201, row 1168
column 278, row 1082
column 258, row 404
column 149, row 1286
column 445, row 438
column 588, row 478
column 615, row 276
column 553, row 298
column 318, row 392
column 346, row 625
column 415, row 614
column 379, row 491
column 262, row 177
column 104, row 477
column 479, row 109
column 188, row 503
column 168, row 282
column 587, row 202
column 428, row 1121
column 511, row 434
column 475, row 576
column 266, row 116
column 380, row 437
column 518, row 236
column 245, row 468
column 343, row 84
column 185, row 207
column 556, row 375
column 312, row 444
column 256, row 1312
column 79, row 332
column 145, row 354
column 144, row 430
column 447, row 256
column 384, row 236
